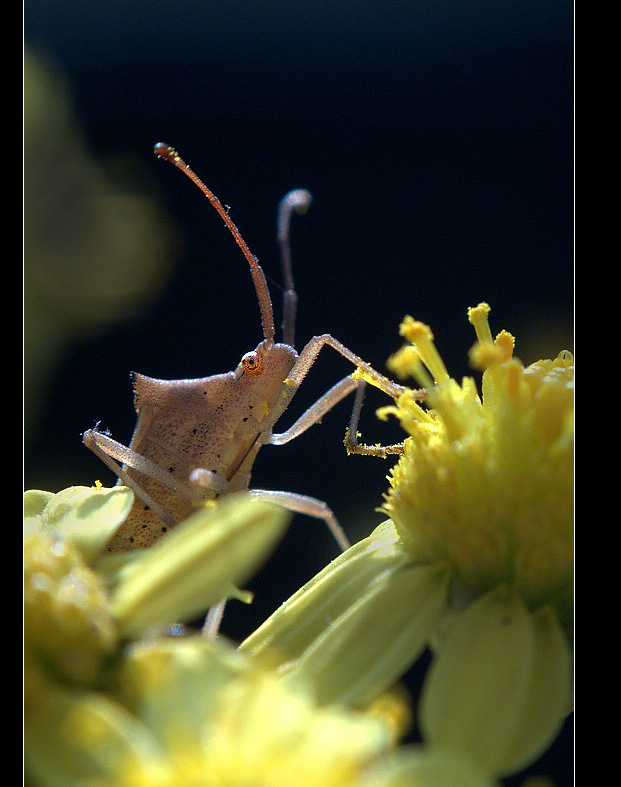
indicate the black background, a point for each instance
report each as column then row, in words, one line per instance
column 437, row 141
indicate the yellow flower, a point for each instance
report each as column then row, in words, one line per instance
column 486, row 483
column 477, row 560
column 105, row 708
column 192, row 711
column 266, row 733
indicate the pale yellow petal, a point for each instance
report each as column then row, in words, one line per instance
column 479, row 680
column 376, row 639
column 86, row 516
column 548, row 698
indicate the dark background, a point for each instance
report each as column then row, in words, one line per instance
column 437, row 141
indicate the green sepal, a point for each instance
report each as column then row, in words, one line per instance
column 196, row 565
column 359, row 624
column 85, row 516
column 297, row 623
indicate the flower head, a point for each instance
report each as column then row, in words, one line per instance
column 193, row 711
column 67, row 621
column 477, row 560
column 485, row 484
column 111, row 698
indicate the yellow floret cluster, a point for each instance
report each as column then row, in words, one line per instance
column 465, row 491
column 67, row 623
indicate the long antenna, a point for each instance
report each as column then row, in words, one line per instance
column 164, row 151
column 297, row 200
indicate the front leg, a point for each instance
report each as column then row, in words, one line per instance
column 315, row 412
column 367, row 374
column 307, row 358
column 351, row 434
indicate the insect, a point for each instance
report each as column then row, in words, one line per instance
column 197, row 439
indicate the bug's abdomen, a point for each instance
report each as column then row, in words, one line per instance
column 180, row 429
column 143, row 526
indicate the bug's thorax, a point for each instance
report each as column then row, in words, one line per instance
column 214, row 423
column 209, row 422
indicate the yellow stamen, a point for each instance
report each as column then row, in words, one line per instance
column 477, row 315
column 505, row 342
column 421, row 337
column 407, row 362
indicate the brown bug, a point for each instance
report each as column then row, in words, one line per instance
column 197, row 439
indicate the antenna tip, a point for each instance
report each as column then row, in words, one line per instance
column 298, row 200
column 162, row 150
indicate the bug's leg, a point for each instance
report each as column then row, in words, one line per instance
column 367, row 374
column 315, row 411
column 203, row 480
column 303, row 364
column 309, row 354
column 326, row 403
column 214, row 618
column 92, row 439
column 351, row 435
column 302, row 504
column 109, row 450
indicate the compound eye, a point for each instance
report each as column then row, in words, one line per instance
column 253, row 363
